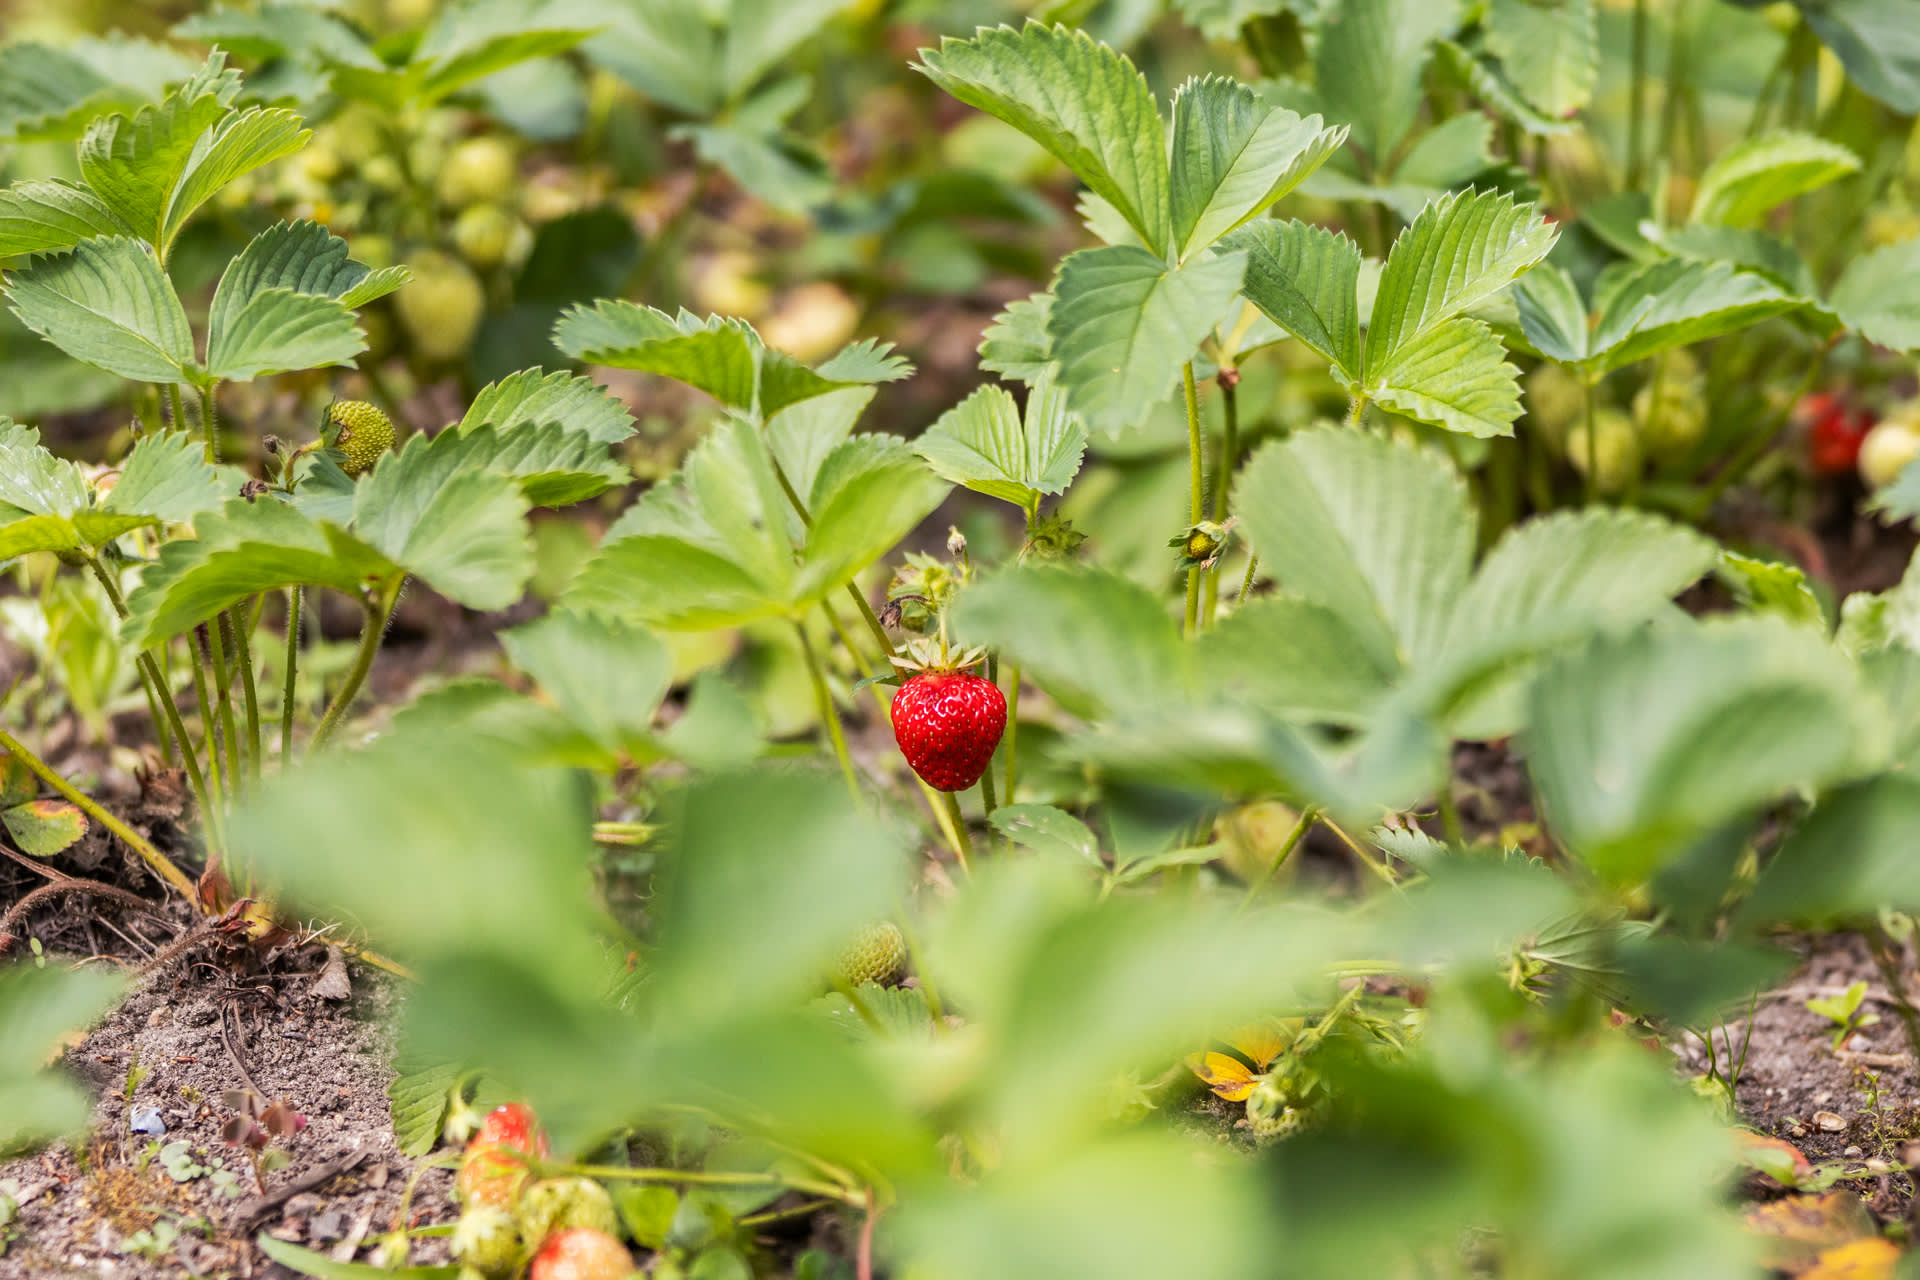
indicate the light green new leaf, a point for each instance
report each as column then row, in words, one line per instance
column 717, row 356
column 1078, row 99
column 49, row 216
column 1096, row 642
column 1369, row 65
column 168, row 478
column 239, row 145
column 108, row 304
column 1377, row 531
column 1550, row 51
column 1879, row 295
column 43, row 828
column 1546, row 584
column 134, row 163
column 984, row 444
column 1455, row 376
column 1553, row 315
column 1233, row 156
column 1673, row 303
column 606, row 677
column 40, row 1008
column 1462, row 249
column 1756, row 175
column 1123, row 323
column 534, row 398
column 1643, row 742
column 32, row 480
column 870, row 493
column 461, row 528
column 1772, row 586
column 240, row 550
column 1304, row 278
column 1016, row 344
column 802, row 435
column 553, row 466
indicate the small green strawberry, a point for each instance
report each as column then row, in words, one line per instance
column 555, row 1204
column 360, row 432
column 878, row 954
column 486, row 1239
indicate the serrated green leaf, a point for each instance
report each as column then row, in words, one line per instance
column 1369, row 63
column 759, row 33
column 107, row 303
column 1460, row 250
column 1879, row 295
column 1750, row 250
column 1549, row 51
column 1553, row 315
column 1643, row 742
column 1123, row 323
column 279, row 31
column 864, row 362
column 1849, row 860
column 1016, row 344
column 276, row 330
column 1233, row 156
column 554, row 467
column 1453, row 152
column 51, row 93
column 1377, row 531
column 667, row 49
column 238, row 551
column 32, row 480
column 475, row 38
column 49, row 216
column 784, row 172
column 1304, row 278
column 237, row 146
column 167, row 477
column 1454, row 376
column 1293, row 657
column 986, row 445
column 802, row 435
column 1772, row 586
column 1078, row 99
column 134, row 163
column 605, row 676
column 43, row 828
column 461, row 529
column 1048, row 830
column 1094, row 641
column 1493, row 88
column 870, row 493
column 717, row 358
column 419, row 1095
column 285, row 303
column 534, row 398
column 1673, row 303
column 1877, row 43
column 1751, row 178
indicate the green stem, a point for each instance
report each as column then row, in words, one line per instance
column 1308, row 816
column 1196, row 485
column 1229, row 381
column 712, row 1178
column 161, row 730
column 210, row 422
column 177, row 404
column 1013, row 734
column 213, row 636
column 372, row 631
column 1637, row 104
column 1450, row 816
column 243, row 655
column 823, row 698
column 1246, row 583
column 209, row 727
column 159, row 861
column 1593, row 445
column 293, row 660
column 965, row 847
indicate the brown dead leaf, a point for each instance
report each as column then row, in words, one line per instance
column 1858, row 1260
column 1775, row 1158
column 1261, row 1042
column 332, row 983
column 1795, row 1231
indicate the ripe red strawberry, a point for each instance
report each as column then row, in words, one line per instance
column 1834, row 433
column 581, row 1253
column 947, row 724
column 513, row 1124
column 494, row 1167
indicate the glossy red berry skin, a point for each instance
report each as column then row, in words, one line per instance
column 513, row 1124
column 1834, row 434
column 947, row 725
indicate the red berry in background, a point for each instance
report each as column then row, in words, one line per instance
column 581, row 1253
column 947, row 724
column 1834, row 433
column 494, row 1167
column 513, row 1124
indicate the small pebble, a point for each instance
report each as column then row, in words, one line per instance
column 1830, row 1122
column 327, row 1227
column 146, row 1120
column 1822, row 1099
column 1853, row 1153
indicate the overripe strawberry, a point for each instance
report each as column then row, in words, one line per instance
column 1834, row 433
column 876, row 955
column 581, row 1253
column 947, row 724
column 360, row 432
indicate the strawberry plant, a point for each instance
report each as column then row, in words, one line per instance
column 1399, row 620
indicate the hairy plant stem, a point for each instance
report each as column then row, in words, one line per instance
column 1308, row 816
column 209, row 731
column 372, row 631
column 161, row 730
column 212, row 640
column 177, row 406
column 1246, row 583
column 210, row 422
column 159, row 861
column 1196, row 486
column 157, row 678
column 293, row 660
column 706, row 1178
column 1229, row 380
column 829, row 714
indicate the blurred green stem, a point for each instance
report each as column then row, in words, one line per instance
column 965, row 846
column 379, row 609
column 159, row 861
column 234, row 622
column 1229, row 381
column 1593, row 442
column 1637, row 104
column 829, row 714
column 293, row 663
column 1246, row 583
column 212, row 635
column 209, row 727
column 707, row 1178
column 177, row 404
column 1308, row 816
column 1196, row 485
column 1755, row 445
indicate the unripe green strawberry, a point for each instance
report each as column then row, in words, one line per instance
column 441, row 307
column 1887, row 450
column 478, row 169
column 487, row 1240
column 555, row 1204
column 360, row 432
column 1618, row 452
column 1674, row 422
column 878, row 954
column 1556, row 400
column 483, row 233
column 581, row 1254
